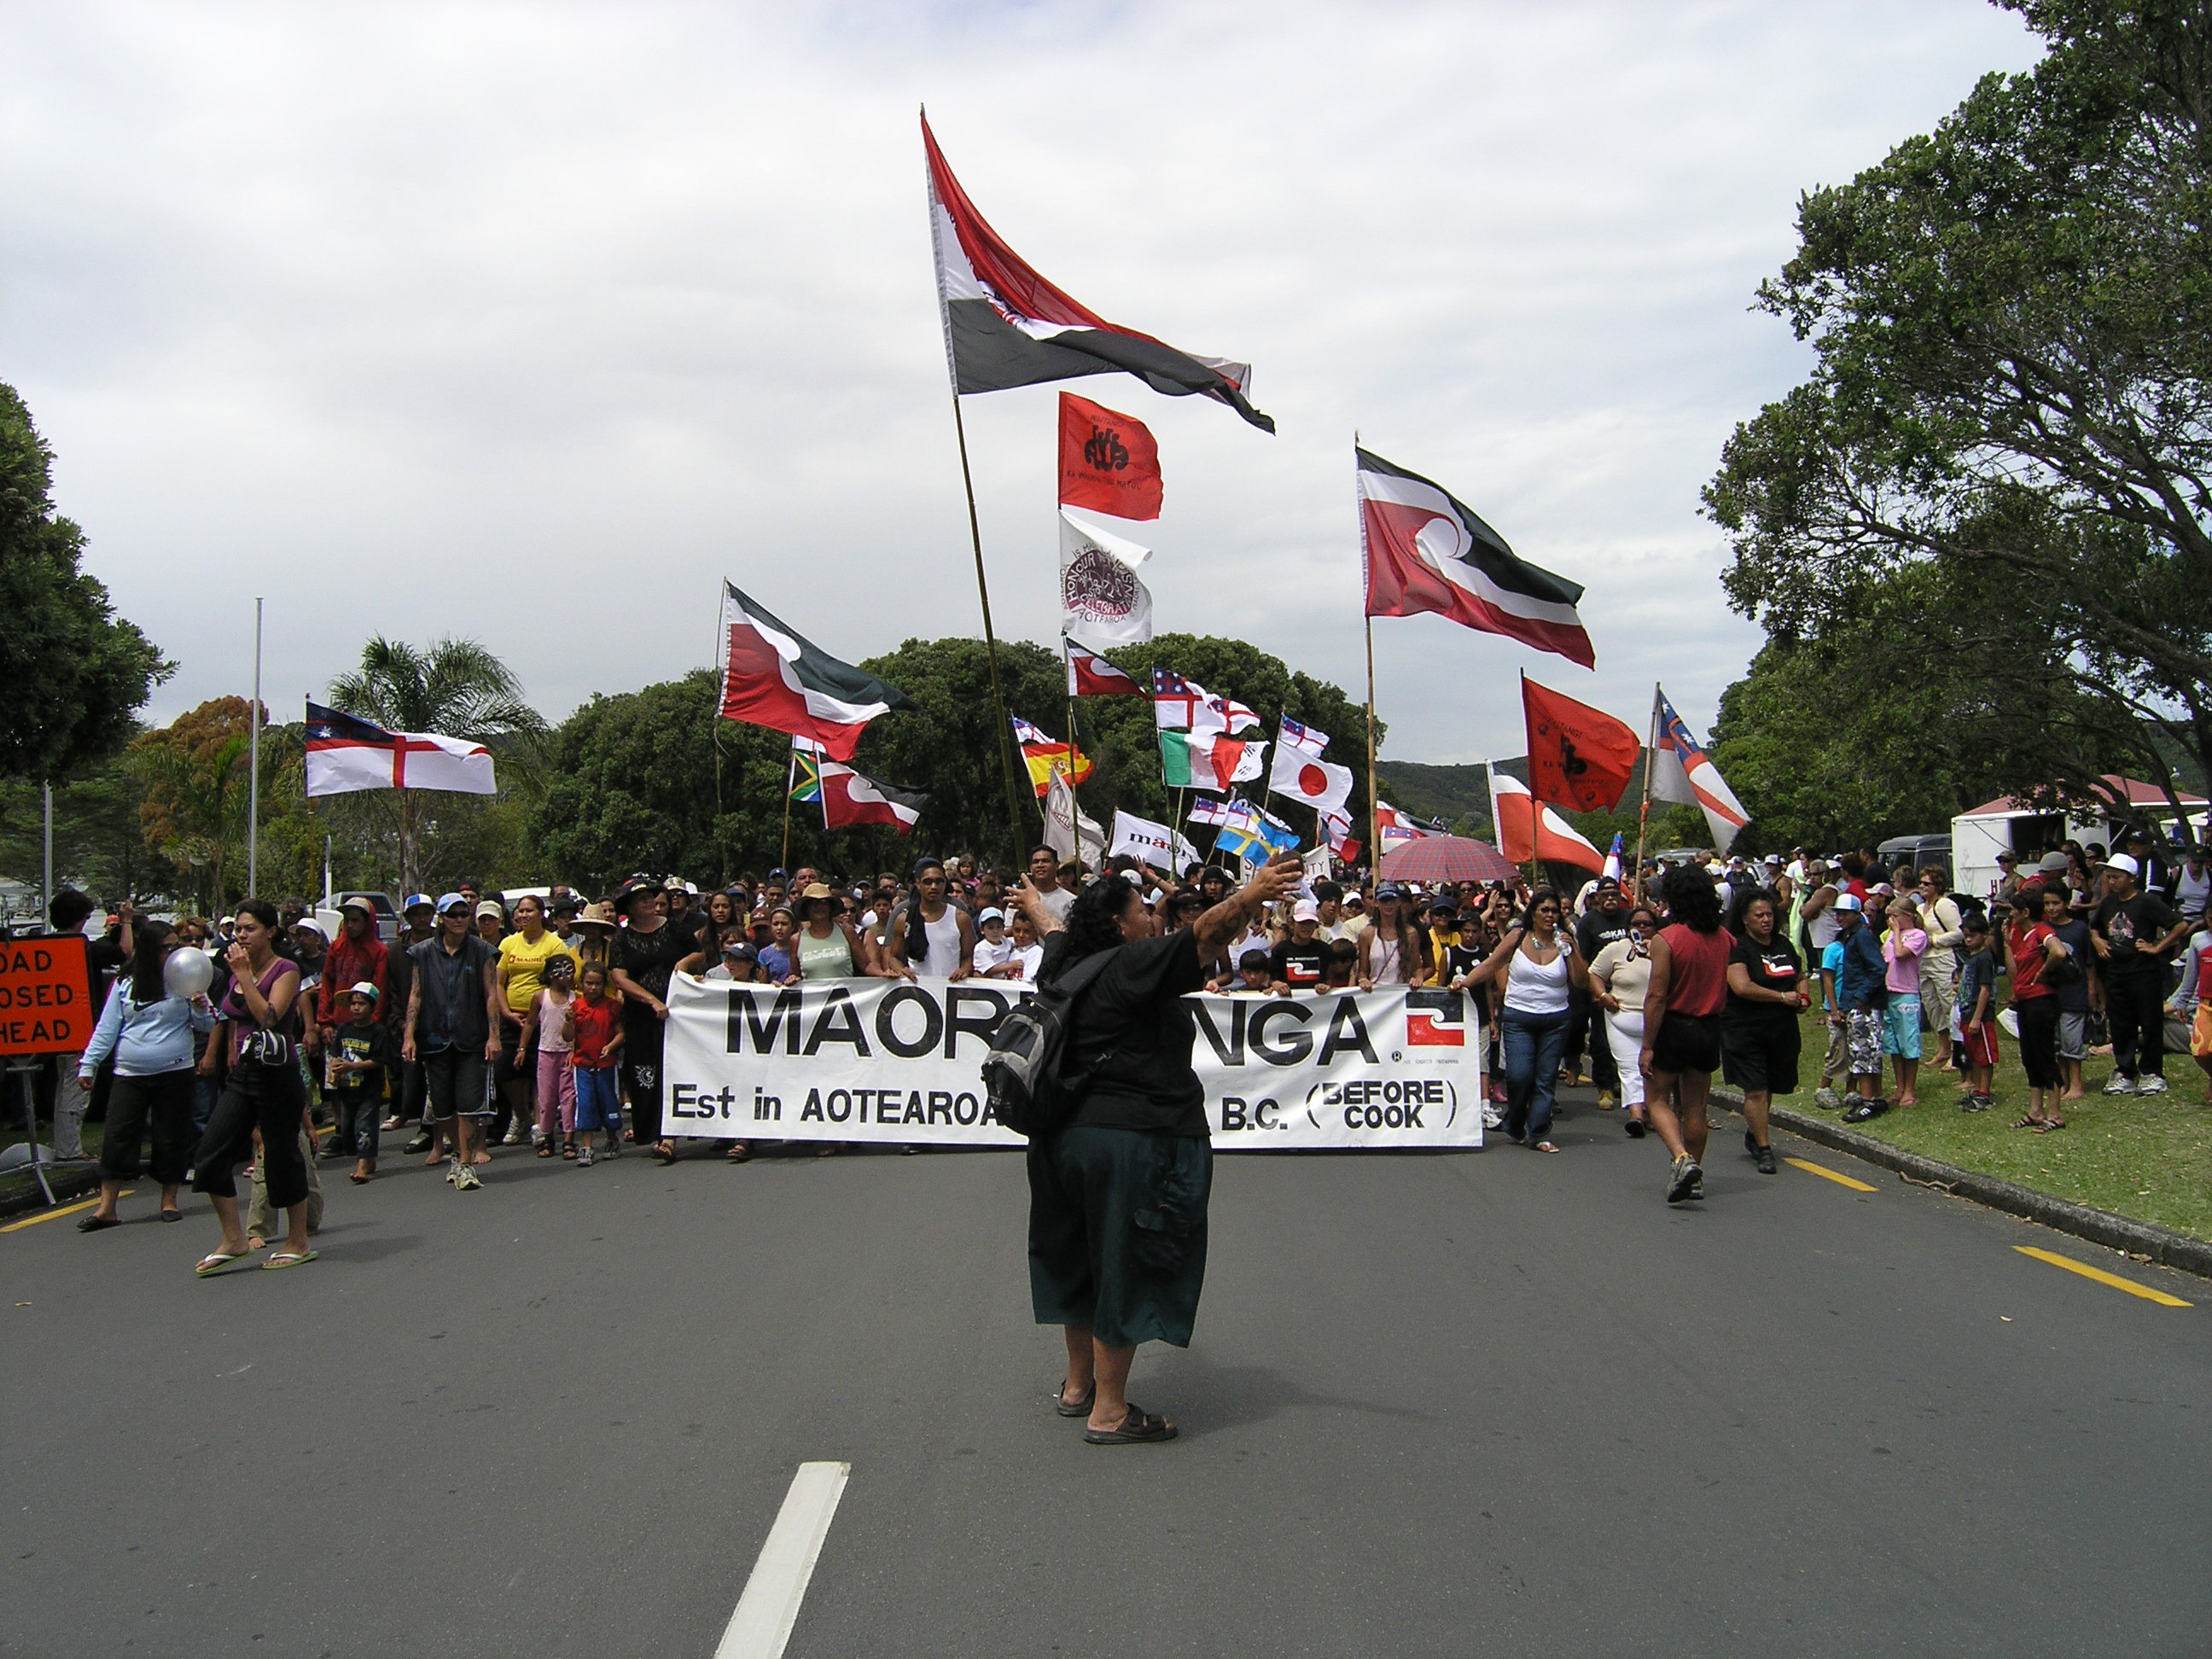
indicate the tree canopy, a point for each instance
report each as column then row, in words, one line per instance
column 2010, row 317
column 633, row 781
column 76, row 672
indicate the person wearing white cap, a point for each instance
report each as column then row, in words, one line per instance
column 993, row 947
column 1300, row 962
column 2133, row 933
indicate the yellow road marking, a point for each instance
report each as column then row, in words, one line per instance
column 53, row 1215
column 2102, row 1276
column 1811, row 1168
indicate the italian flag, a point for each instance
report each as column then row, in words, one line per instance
column 1207, row 760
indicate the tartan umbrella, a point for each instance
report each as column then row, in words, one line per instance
column 1446, row 858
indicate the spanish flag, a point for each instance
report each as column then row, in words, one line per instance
column 1044, row 756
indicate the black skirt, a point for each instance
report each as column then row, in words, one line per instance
column 1117, row 1232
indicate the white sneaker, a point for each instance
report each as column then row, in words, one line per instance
column 453, row 1172
column 514, row 1136
column 2120, row 1085
column 2151, row 1084
column 465, row 1180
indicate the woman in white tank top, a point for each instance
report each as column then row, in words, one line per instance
column 1392, row 948
column 1542, row 972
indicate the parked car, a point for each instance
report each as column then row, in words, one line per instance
column 1919, row 851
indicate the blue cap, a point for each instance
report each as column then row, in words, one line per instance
column 414, row 899
column 1851, row 902
column 447, row 901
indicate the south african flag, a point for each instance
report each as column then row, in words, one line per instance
column 805, row 771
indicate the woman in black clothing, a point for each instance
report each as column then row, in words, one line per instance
column 645, row 956
column 1759, row 1039
column 265, row 1091
column 1118, row 1197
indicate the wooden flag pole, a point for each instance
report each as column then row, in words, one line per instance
column 990, row 640
column 790, row 783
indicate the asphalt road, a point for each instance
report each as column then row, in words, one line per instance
column 1462, row 1405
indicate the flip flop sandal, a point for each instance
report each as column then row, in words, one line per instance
column 284, row 1259
column 2051, row 1123
column 1542, row 1146
column 172, row 1215
column 2028, row 1123
column 1068, row 1407
column 215, row 1261
column 1138, row 1428
column 739, row 1154
column 666, row 1152
column 569, row 1153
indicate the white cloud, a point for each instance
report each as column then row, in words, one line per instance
column 533, row 322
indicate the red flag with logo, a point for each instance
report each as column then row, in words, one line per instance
column 1578, row 755
column 1108, row 462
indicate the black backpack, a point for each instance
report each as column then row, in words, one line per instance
column 1026, row 1075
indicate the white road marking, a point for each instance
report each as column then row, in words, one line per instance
column 769, row 1608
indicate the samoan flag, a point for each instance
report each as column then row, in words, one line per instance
column 1612, row 857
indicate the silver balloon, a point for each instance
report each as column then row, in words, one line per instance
column 188, row 973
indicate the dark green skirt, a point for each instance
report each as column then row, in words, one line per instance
column 1117, row 1232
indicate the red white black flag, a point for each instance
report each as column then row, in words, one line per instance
column 1108, row 463
column 848, row 797
column 1090, row 675
column 774, row 677
column 1005, row 326
column 1426, row 551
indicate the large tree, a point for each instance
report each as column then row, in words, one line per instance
column 2010, row 317
column 76, row 673
column 457, row 688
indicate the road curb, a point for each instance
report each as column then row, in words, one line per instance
column 2116, row 1232
column 70, row 1184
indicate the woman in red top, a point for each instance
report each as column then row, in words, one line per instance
column 1681, row 1022
column 2033, row 947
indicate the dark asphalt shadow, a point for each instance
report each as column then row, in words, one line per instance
column 1210, row 1397
column 378, row 1249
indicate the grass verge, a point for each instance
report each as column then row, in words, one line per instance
column 2150, row 1157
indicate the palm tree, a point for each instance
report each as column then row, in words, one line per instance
column 456, row 688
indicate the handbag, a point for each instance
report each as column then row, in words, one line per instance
column 263, row 1047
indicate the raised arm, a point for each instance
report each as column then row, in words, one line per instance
column 1218, row 928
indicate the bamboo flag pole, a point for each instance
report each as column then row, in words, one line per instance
column 1535, row 801
column 1643, row 812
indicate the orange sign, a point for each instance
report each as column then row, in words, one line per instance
column 45, row 1000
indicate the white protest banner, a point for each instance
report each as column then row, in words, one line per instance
column 1151, row 843
column 898, row 1062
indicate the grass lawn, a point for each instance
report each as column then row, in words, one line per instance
column 2149, row 1157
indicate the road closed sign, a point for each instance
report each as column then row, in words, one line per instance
column 46, row 1000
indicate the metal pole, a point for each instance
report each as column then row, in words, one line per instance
column 254, row 771
column 1074, row 807
column 46, row 887
column 1643, row 812
column 1374, row 811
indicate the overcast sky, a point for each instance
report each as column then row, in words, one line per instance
column 532, row 322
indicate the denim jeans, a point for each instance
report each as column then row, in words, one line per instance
column 1533, row 1043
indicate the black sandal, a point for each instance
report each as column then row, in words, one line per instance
column 93, row 1224
column 1068, row 1407
column 739, row 1154
column 665, row 1149
column 1138, row 1428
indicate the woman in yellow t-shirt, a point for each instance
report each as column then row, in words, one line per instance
column 523, row 955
